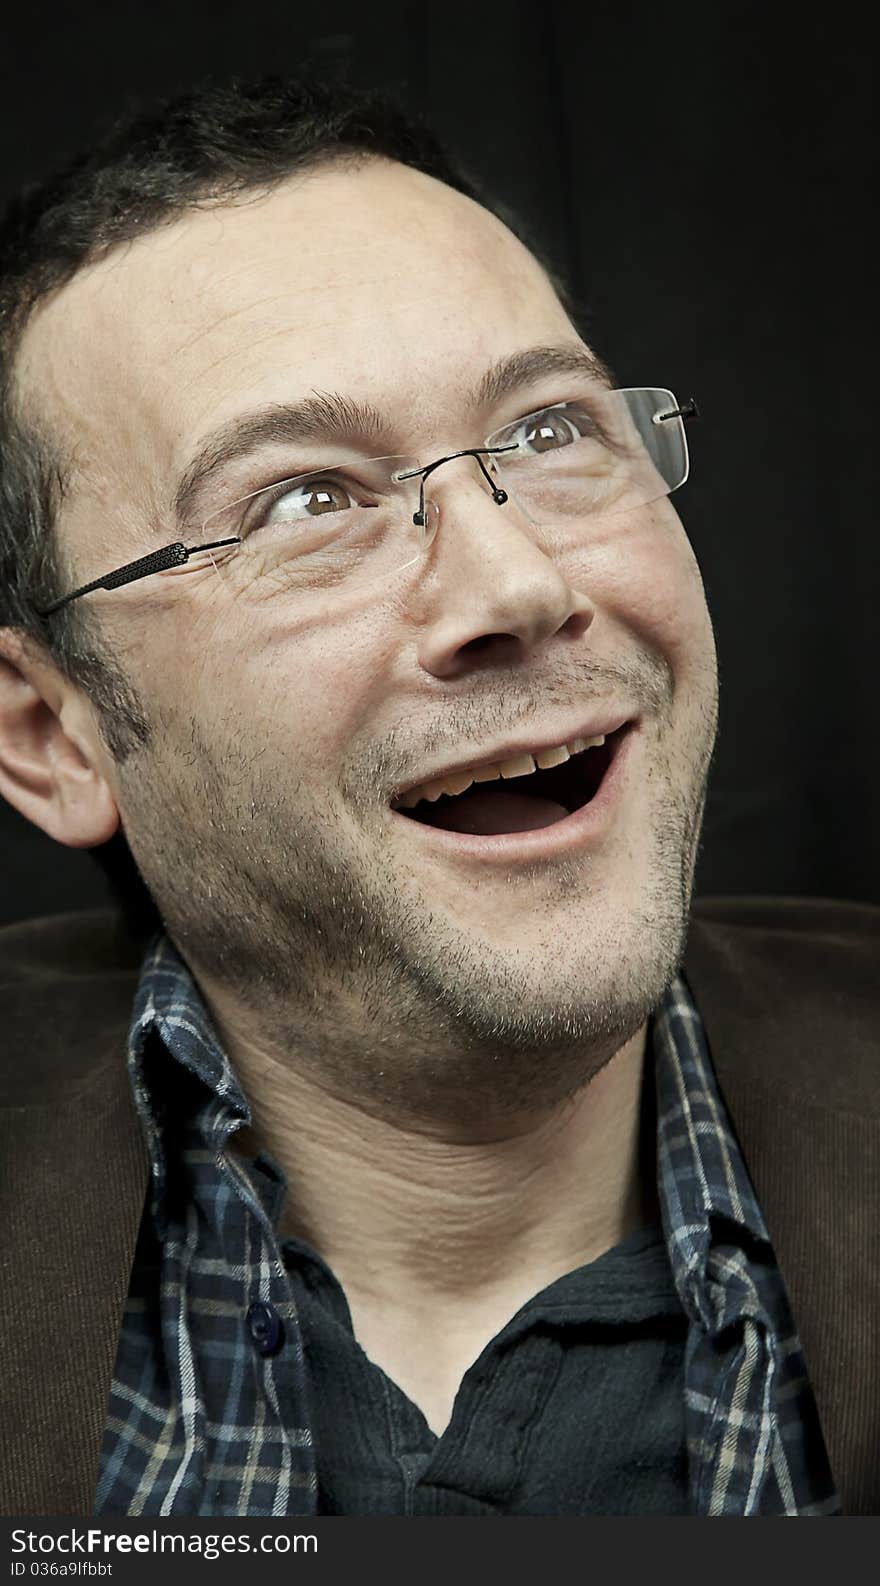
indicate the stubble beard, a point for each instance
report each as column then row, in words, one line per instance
column 340, row 965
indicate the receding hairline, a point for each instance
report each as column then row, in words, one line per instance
column 240, row 194
column 29, row 406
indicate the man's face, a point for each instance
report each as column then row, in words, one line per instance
column 317, row 918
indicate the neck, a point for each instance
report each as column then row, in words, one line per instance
column 410, row 1220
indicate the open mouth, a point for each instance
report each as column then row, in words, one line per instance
column 537, row 798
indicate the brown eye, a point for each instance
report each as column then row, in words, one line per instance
column 549, row 431
column 309, row 500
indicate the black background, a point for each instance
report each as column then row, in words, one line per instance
column 707, row 177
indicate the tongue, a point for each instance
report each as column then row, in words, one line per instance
column 486, row 812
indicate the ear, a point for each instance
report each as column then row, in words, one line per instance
column 54, row 767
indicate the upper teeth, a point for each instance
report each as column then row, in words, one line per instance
column 521, row 765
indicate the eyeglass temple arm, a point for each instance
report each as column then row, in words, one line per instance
column 156, row 562
column 688, row 410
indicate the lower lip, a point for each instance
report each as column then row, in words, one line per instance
column 586, row 826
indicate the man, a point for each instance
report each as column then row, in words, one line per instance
column 412, row 1165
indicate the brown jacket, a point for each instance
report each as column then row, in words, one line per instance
column 789, row 993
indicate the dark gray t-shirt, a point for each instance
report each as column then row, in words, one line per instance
column 575, row 1407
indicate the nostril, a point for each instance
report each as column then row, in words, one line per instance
column 579, row 621
column 485, row 641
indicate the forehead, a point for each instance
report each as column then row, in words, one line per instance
column 375, row 280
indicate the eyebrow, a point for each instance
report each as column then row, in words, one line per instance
column 329, row 416
column 535, row 363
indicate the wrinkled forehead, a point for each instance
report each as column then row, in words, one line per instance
column 375, row 280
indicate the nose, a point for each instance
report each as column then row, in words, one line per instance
column 493, row 593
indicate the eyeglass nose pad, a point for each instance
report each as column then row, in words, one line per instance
column 426, row 522
column 490, row 468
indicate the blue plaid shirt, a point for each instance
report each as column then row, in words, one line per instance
column 201, row 1423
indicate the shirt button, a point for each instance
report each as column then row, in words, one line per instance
column 265, row 1327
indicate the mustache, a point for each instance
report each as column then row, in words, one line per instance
column 501, row 702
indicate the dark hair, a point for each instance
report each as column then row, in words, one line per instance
column 204, row 147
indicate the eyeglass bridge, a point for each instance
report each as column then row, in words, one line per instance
column 499, row 496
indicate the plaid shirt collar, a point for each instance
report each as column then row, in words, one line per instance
column 754, row 1441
